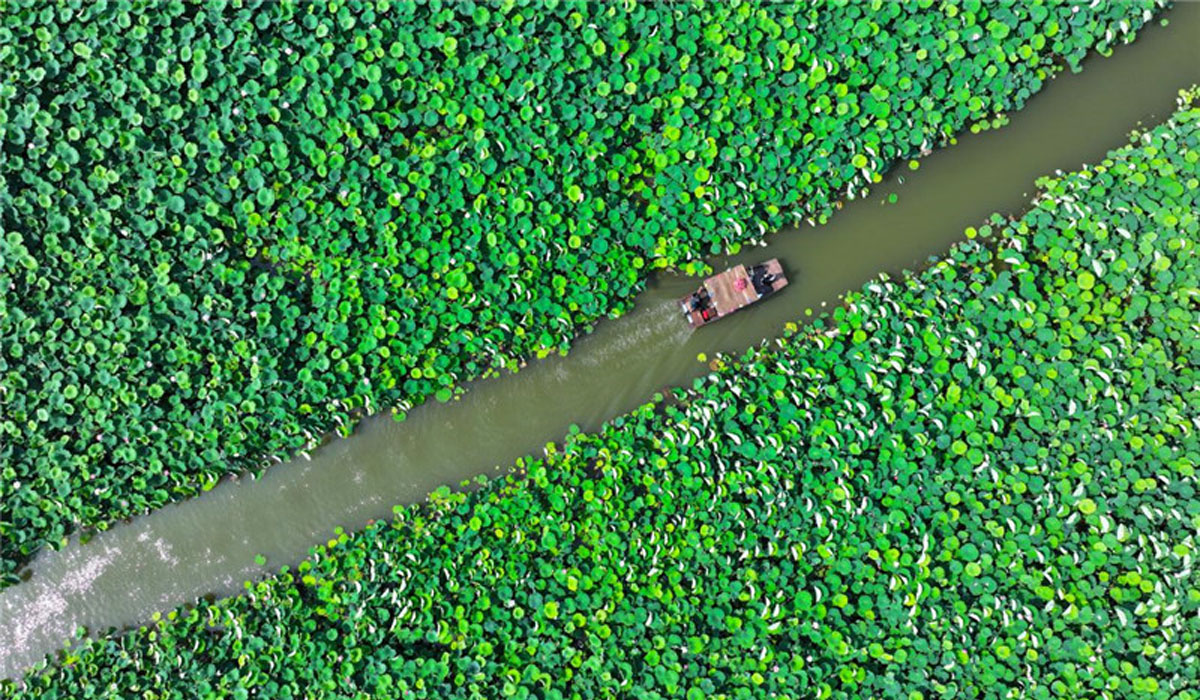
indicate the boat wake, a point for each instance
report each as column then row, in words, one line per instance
column 642, row 331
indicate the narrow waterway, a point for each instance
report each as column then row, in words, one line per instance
column 207, row 546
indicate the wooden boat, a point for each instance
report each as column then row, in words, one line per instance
column 732, row 290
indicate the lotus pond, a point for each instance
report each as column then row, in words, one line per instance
column 209, row 546
column 974, row 481
column 232, row 227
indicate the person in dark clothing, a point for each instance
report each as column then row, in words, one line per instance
column 763, row 281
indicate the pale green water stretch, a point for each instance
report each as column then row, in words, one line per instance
column 208, row 545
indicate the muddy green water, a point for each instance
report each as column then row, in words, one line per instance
column 207, row 546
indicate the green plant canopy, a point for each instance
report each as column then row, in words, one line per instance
column 230, row 227
column 976, row 481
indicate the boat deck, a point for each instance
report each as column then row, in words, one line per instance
column 725, row 292
column 732, row 290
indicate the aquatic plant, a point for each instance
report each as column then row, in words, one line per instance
column 975, row 481
column 230, row 228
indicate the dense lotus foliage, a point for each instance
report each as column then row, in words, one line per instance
column 976, row 481
column 232, row 227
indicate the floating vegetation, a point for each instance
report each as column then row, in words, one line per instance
column 233, row 228
column 976, row 481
